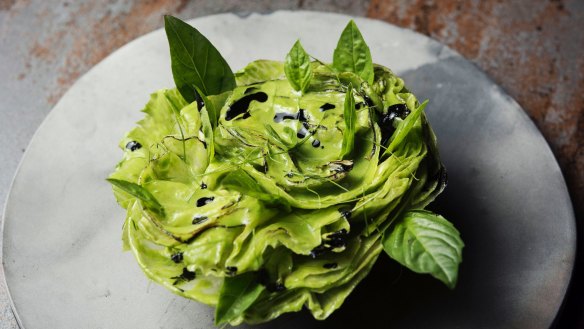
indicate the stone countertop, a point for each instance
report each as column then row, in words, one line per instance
column 531, row 49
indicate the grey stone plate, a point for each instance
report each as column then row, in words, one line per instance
column 62, row 249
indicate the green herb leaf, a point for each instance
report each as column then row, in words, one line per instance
column 139, row 192
column 350, row 115
column 237, row 294
column 352, row 54
column 426, row 243
column 297, row 67
column 404, row 127
column 196, row 63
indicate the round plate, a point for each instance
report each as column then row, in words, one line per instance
column 62, row 248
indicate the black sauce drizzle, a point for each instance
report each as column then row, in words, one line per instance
column 204, row 200
column 386, row 125
column 199, row 219
column 330, row 266
column 327, row 106
column 133, row 146
column 230, row 270
column 300, row 116
column 241, row 106
column 186, row 275
column 177, row 257
column 303, row 131
column 332, row 241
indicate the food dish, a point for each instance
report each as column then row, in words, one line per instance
column 276, row 188
column 61, row 245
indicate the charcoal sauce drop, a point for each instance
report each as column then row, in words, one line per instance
column 327, row 106
column 203, row 201
column 241, row 106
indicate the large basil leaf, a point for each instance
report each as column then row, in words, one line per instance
column 196, row 63
column 297, row 67
column 352, row 54
column 426, row 243
column 237, row 294
column 139, row 192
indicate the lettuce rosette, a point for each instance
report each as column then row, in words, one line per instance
column 276, row 187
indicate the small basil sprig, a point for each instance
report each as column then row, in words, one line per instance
column 297, row 67
column 352, row 54
column 196, row 63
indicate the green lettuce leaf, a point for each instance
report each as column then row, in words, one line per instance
column 349, row 115
column 139, row 192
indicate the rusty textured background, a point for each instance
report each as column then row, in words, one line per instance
column 533, row 49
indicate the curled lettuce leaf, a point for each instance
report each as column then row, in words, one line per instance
column 275, row 200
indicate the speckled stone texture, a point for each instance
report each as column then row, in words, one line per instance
column 533, row 49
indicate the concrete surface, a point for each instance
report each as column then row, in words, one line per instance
column 531, row 48
column 45, row 46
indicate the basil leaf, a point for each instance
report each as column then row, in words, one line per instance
column 237, row 294
column 426, row 243
column 196, row 63
column 352, row 54
column 297, row 67
column 139, row 192
column 404, row 127
column 350, row 115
